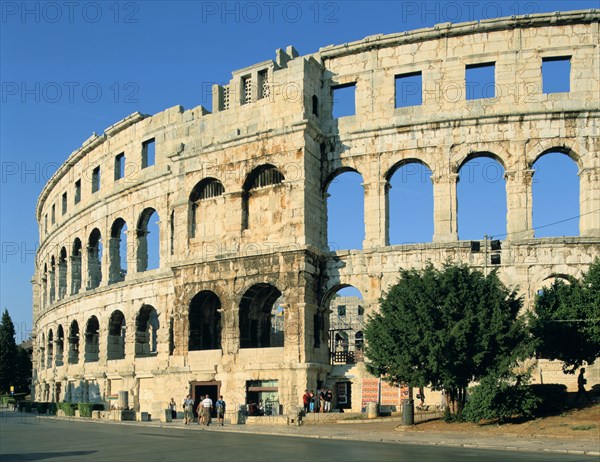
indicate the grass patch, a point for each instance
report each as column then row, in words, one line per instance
column 583, row 427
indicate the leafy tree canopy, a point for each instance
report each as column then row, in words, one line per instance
column 566, row 320
column 446, row 328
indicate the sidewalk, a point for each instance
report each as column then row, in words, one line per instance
column 390, row 432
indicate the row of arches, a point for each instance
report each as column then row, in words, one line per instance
column 481, row 195
column 143, row 245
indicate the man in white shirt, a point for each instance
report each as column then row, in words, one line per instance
column 206, row 405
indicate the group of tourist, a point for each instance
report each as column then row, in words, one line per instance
column 203, row 410
column 320, row 402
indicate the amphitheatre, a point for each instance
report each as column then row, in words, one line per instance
column 237, row 299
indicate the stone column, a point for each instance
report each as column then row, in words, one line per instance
column 75, row 274
column 376, row 214
column 295, row 333
column 62, row 279
column 589, row 202
column 141, row 250
column 445, row 208
column 114, row 260
column 518, row 204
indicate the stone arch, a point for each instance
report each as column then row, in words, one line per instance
column 206, row 188
column 204, row 320
column 148, row 250
column 52, row 276
column 62, row 273
column 73, row 343
column 115, row 347
column 146, row 331
column 414, row 184
column 50, row 349
column 76, row 266
column 94, row 260
column 544, row 147
column 261, row 317
column 117, row 251
column 482, row 196
column 60, row 345
column 341, row 197
column 259, row 201
column 92, row 340
column 556, row 211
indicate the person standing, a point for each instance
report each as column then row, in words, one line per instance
column 581, row 381
column 206, row 406
column 220, row 407
column 328, row 398
column 311, row 401
column 172, row 408
column 306, row 401
column 188, row 408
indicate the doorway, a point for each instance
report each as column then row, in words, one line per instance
column 201, row 389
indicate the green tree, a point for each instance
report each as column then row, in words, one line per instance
column 8, row 352
column 565, row 321
column 446, row 328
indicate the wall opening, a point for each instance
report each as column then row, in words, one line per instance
column 148, row 153
column 92, row 340
column 556, row 74
column 555, row 191
column 116, row 336
column 45, row 286
column 409, row 203
column 146, row 332
column 262, row 315
column 409, row 89
column 94, row 262
column 76, row 267
column 62, row 273
column 204, row 322
column 261, row 207
column 346, row 324
column 50, row 349
column 60, row 345
column 119, row 166
column 77, row 195
column 52, row 276
column 148, row 234
column 117, row 247
column 345, row 211
column 96, row 179
column 206, row 189
column 344, row 100
column 74, row 343
column 480, row 81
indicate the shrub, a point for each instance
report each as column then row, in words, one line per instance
column 553, row 397
column 497, row 399
column 68, row 408
column 85, row 409
column 24, row 406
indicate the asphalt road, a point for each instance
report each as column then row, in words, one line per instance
column 24, row 437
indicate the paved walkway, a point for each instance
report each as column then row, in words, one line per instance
column 386, row 431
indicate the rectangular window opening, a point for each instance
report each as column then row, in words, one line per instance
column 53, row 219
column 409, row 89
column 341, row 310
column 556, row 74
column 148, row 153
column 119, row 166
column 77, row 196
column 264, row 90
column 480, row 81
column 344, row 100
column 96, row 179
column 64, row 203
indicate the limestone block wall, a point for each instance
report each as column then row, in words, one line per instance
column 240, row 296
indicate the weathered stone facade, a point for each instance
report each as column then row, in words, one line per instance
column 241, row 198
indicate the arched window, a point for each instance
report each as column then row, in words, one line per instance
column 42, row 352
column 409, row 203
column 50, row 349
column 205, row 322
column 94, row 259
column 208, row 188
column 116, row 336
column 345, row 210
column 74, row 343
column 76, row 267
column 260, row 207
column 555, row 208
column 52, row 275
column 358, row 340
column 261, row 317
column 60, row 345
column 148, row 234
column 92, row 336
column 45, row 287
column 117, row 251
column 146, row 331
column 62, row 274
column 481, row 196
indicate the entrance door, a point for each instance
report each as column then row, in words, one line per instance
column 201, row 389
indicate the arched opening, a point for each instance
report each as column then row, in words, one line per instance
column 261, row 202
column 146, row 332
column 42, row 352
column 94, row 259
column 117, row 251
column 346, row 324
column 208, row 188
column 409, row 202
column 92, row 337
column 62, row 273
column 60, row 345
column 262, row 315
column 555, row 191
column 481, row 196
column 116, row 336
column 74, row 343
column 45, row 287
column 148, row 235
column 345, row 210
column 52, row 275
column 50, row 349
column 76, row 267
column 205, row 322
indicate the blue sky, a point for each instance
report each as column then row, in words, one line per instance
column 70, row 69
